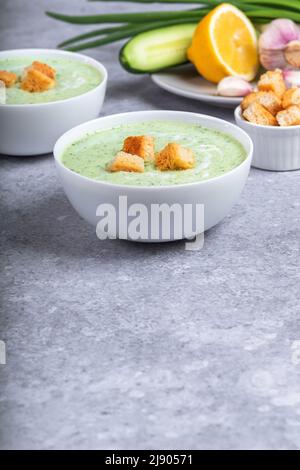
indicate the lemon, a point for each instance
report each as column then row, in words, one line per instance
column 225, row 44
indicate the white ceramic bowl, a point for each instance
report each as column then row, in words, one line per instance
column 32, row 129
column 275, row 148
column 217, row 194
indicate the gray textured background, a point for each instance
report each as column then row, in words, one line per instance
column 117, row 345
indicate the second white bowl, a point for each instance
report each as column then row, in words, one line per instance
column 32, row 129
column 275, row 148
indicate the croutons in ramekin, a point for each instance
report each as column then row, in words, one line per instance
column 273, row 104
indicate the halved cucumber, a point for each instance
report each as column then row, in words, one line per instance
column 157, row 49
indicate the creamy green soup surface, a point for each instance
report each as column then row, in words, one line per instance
column 215, row 153
column 73, row 78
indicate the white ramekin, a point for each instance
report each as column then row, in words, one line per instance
column 275, row 148
column 218, row 195
column 32, row 129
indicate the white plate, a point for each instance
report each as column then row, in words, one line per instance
column 184, row 81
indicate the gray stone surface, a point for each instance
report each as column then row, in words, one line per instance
column 115, row 345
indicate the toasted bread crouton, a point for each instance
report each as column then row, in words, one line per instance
column 44, row 68
column 272, row 81
column 289, row 116
column 8, row 78
column 267, row 99
column 270, row 101
column 249, row 99
column 126, row 162
column 257, row 114
column 175, row 157
column 141, row 145
column 291, row 97
column 36, row 81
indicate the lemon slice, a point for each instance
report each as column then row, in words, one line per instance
column 225, row 44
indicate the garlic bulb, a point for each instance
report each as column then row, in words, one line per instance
column 279, row 45
column 233, row 86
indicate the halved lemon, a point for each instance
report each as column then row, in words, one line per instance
column 225, row 44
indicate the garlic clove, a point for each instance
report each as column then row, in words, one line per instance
column 292, row 78
column 272, row 59
column 234, row 87
column 292, row 53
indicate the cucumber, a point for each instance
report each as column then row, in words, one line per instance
column 157, row 49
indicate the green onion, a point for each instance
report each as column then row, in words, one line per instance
column 97, row 32
column 130, row 17
column 292, row 4
column 106, row 40
column 272, row 13
column 259, row 11
column 195, row 14
column 204, row 2
column 131, row 28
column 125, row 33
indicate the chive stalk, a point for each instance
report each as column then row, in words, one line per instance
column 94, row 33
column 273, row 13
column 109, row 32
column 125, row 33
column 130, row 17
column 285, row 4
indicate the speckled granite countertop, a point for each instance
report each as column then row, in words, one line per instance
column 115, row 345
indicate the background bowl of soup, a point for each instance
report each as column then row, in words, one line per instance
column 223, row 154
column 32, row 122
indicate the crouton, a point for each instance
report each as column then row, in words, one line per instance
column 257, row 114
column 289, row 116
column 141, row 145
column 267, row 99
column 291, row 97
column 36, row 81
column 272, row 81
column 126, row 162
column 175, row 157
column 44, row 68
column 8, row 78
column 249, row 99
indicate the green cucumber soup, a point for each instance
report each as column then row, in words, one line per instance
column 73, row 78
column 216, row 153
